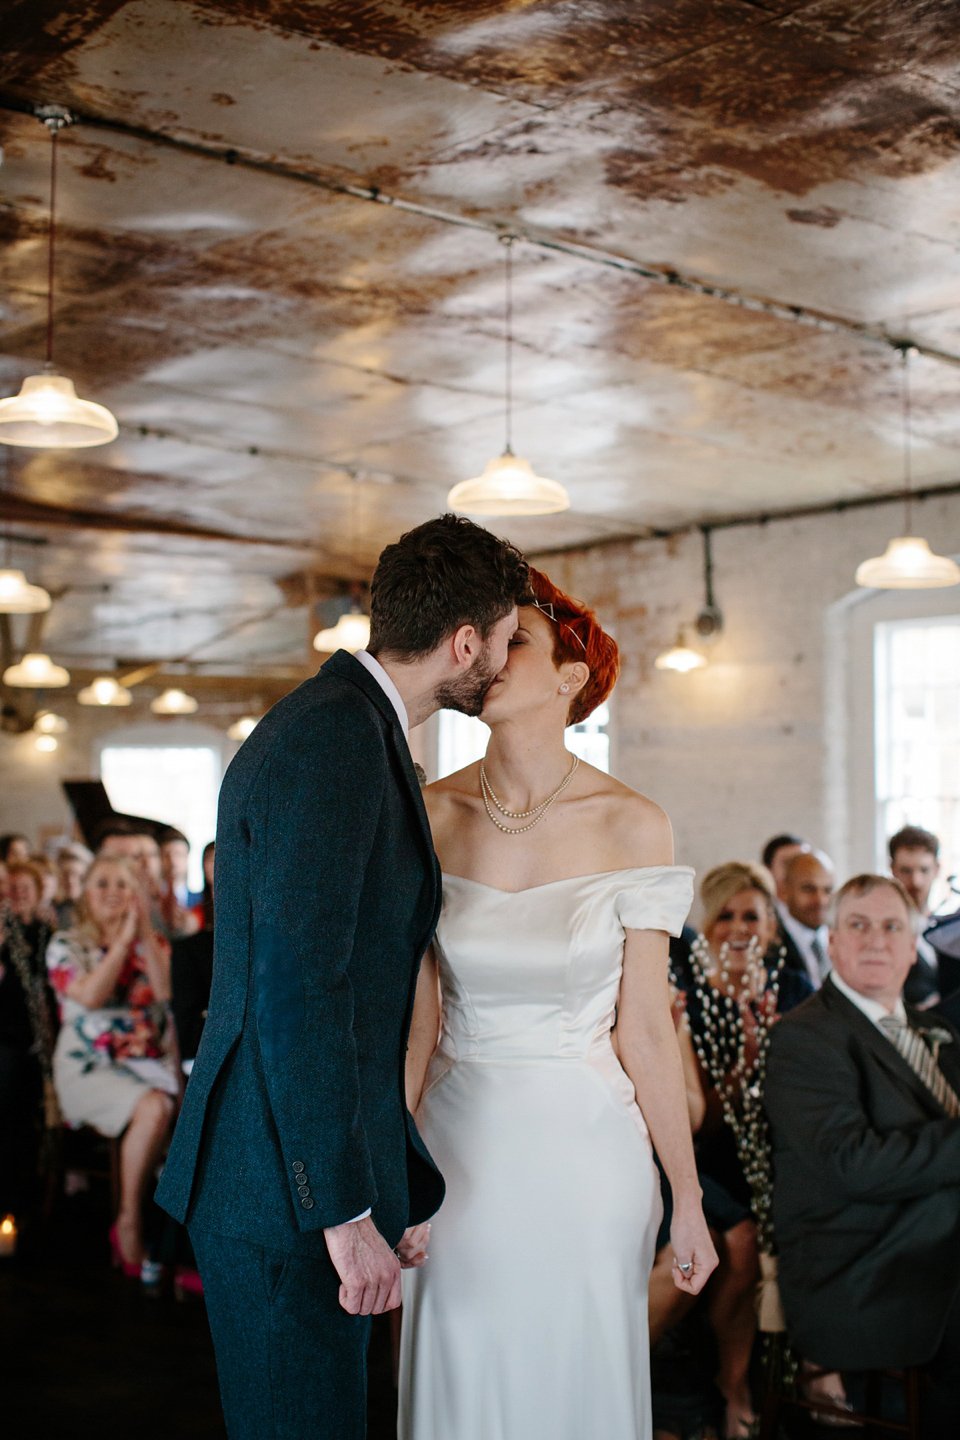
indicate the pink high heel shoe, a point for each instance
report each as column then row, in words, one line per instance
column 186, row 1283
column 132, row 1272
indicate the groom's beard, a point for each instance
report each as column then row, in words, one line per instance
column 468, row 692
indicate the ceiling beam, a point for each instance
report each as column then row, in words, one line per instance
column 15, row 508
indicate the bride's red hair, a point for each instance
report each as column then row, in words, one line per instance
column 577, row 635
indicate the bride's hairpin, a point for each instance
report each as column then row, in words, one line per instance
column 548, row 610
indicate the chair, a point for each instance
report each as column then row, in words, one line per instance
column 88, row 1153
column 775, row 1401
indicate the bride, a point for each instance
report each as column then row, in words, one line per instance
column 555, row 1067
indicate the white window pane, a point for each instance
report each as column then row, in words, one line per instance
column 177, row 785
column 463, row 739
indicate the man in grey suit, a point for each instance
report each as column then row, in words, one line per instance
column 863, row 1096
column 295, row 1164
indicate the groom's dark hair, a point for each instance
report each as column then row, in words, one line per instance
column 446, row 573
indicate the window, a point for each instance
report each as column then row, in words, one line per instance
column 177, row 784
column 917, row 716
column 463, row 739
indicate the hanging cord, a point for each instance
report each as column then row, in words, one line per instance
column 906, row 352
column 54, row 128
column 508, row 240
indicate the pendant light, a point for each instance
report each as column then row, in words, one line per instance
column 908, row 563
column 47, row 723
column 105, row 690
column 47, row 743
column 17, row 597
column 508, row 485
column 680, row 657
column 351, row 632
column 174, row 702
column 48, row 413
column 243, row 728
column 36, row 672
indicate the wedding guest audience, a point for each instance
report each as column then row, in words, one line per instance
column 73, row 862
column 777, row 854
column 50, row 882
column 807, row 886
column 915, row 862
column 862, row 1096
column 26, row 1037
column 739, row 927
column 112, row 977
column 14, row 849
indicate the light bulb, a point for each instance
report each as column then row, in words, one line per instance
column 47, row 723
column 680, row 657
column 174, row 702
column 49, row 414
column 46, row 742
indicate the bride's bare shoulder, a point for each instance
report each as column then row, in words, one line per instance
column 638, row 827
column 452, row 792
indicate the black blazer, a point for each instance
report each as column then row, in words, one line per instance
column 191, row 979
column 793, row 960
column 866, row 1188
column 327, row 894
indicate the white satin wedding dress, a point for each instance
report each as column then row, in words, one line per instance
column 529, row 1320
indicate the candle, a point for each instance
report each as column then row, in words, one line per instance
column 8, row 1235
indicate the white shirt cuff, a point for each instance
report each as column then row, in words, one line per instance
column 357, row 1217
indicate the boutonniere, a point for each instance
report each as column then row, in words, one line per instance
column 935, row 1036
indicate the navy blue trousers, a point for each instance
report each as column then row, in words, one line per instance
column 291, row 1362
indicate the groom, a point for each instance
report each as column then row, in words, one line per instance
column 295, row 1164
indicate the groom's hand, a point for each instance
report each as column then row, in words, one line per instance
column 368, row 1269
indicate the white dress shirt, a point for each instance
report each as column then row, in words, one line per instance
column 803, row 937
column 874, row 1011
column 393, row 695
column 387, row 686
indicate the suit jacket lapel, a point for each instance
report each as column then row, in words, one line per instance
column 342, row 663
column 882, row 1049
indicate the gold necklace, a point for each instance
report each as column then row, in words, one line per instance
column 538, row 811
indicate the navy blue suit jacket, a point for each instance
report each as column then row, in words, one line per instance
column 327, row 893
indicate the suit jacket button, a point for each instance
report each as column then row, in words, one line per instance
column 301, row 1179
column 298, row 1165
column 307, row 1204
column 303, row 1190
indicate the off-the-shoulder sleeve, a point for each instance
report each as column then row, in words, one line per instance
column 656, row 898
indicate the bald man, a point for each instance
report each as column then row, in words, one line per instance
column 807, row 887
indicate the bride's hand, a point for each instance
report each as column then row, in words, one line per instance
column 412, row 1250
column 691, row 1242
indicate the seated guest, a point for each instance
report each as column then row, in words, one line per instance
column 174, row 862
column 135, row 841
column 807, row 887
column 14, row 849
column 192, row 973
column 915, row 862
column 26, row 1037
column 73, row 862
column 112, row 977
column 862, row 1097
column 739, row 925
column 777, row 854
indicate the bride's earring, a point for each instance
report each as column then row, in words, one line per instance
column 564, row 689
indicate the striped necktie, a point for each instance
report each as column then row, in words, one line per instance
column 913, row 1048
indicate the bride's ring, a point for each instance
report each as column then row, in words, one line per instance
column 684, row 1266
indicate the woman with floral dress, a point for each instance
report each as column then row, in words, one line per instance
column 111, row 973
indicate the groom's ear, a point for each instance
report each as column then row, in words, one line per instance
column 465, row 645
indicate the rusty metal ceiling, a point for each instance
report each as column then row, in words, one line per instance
column 279, row 267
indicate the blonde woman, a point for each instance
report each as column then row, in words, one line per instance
column 111, row 973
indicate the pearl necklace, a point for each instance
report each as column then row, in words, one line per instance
column 538, row 811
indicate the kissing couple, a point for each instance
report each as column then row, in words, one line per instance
column 534, row 1044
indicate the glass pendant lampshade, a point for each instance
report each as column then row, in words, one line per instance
column 46, row 742
column 105, row 690
column 36, row 672
column 508, row 486
column 680, row 657
column 47, row 723
column 908, row 564
column 17, row 597
column 351, row 632
column 174, row 702
column 48, row 414
column 243, row 728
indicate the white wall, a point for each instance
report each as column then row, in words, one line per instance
column 762, row 740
